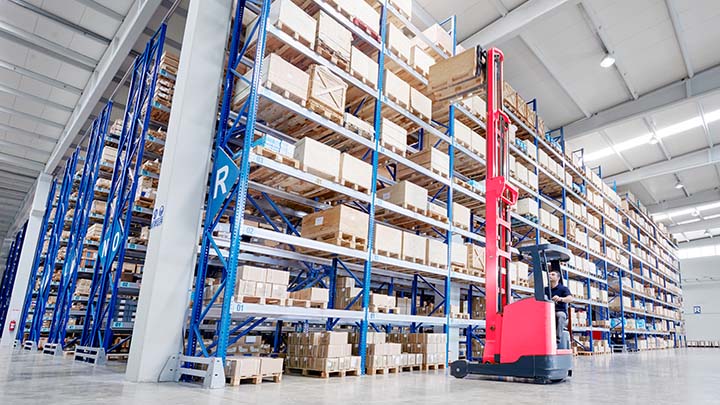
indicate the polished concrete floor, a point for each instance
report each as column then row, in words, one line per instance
column 688, row 376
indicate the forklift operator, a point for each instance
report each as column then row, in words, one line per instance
column 561, row 296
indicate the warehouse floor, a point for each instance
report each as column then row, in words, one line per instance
column 660, row 377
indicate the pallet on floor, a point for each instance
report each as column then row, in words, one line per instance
column 435, row 366
column 254, row 379
column 321, row 373
column 382, row 370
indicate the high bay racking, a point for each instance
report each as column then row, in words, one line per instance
column 97, row 319
column 8, row 276
column 268, row 232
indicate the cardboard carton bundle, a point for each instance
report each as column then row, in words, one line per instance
column 324, row 352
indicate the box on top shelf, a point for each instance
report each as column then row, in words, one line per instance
column 438, row 36
column 287, row 16
column 333, row 39
column 458, row 77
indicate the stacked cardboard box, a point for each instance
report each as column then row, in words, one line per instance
column 345, row 292
column 261, row 284
column 239, row 368
column 310, row 297
column 432, row 346
column 324, row 352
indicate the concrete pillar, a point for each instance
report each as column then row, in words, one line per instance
column 454, row 339
column 37, row 210
column 172, row 247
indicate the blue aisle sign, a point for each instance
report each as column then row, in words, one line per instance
column 112, row 241
column 697, row 309
column 225, row 175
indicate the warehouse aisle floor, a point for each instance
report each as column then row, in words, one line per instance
column 661, row 377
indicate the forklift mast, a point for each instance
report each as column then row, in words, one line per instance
column 500, row 197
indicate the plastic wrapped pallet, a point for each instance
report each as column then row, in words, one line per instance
column 318, row 158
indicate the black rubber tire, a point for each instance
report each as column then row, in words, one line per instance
column 459, row 368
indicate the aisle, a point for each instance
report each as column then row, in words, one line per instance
column 684, row 376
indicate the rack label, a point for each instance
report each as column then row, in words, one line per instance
column 697, row 309
column 226, row 173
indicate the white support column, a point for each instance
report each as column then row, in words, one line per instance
column 37, row 210
column 454, row 332
column 172, row 247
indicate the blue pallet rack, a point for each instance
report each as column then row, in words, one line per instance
column 8, row 278
column 49, row 260
column 31, row 291
column 99, row 327
column 78, row 228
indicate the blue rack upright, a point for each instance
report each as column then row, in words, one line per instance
column 8, row 278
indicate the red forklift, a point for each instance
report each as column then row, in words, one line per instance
column 521, row 339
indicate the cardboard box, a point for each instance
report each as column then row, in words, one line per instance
column 318, row 159
column 398, row 43
column 459, row 254
column 478, row 145
column 271, row 365
column 286, row 13
column 241, row 367
column 431, row 159
column 396, row 89
column 527, row 206
column 420, row 60
column 338, row 219
column 356, row 172
column 364, row 67
column 311, row 294
column 393, row 136
column 413, row 248
column 332, row 36
column 333, row 338
column 461, row 216
column 388, row 240
column 282, row 74
column 403, row 6
column 420, row 104
column 463, row 134
column 436, row 253
column 438, row 36
column 407, row 195
column 251, row 273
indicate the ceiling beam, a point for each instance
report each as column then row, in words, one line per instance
column 29, row 134
column 6, row 167
column 551, row 68
column 593, row 21
column 20, row 150
column 130, row 30
column 32, row 117
column 701, row 225
column 679, row 37
column 677, row 164
column 702, row 84
column 108, row 12
column 699, row 198
column 509, row 25
column 650, row 125
column 41, row 78
column 28, row 96
column 66, row 23
column 46, row 47
column 21, row 162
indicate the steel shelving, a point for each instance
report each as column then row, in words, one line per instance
column 10, row 273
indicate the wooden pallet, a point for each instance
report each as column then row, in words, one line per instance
column 284, row 93
column 392, row 148
column 363, row 79
column 342, row 239
column 322, row 374
column 250, row 299
column 145, row 202
column 413, row 259
column 360, row 131
column 414, row 367
column 280, row 158
column 293, row 302
column 383, row 310
column 255, row 379
column 366, row 28
column 382, row 370
column 438, row 265
column 436, row 366
column 387, row 253
column 397, row 54
column 288, row 30
column 326, row 112
column 333, row 56
column 354, row 186
column 459, row 315
column 437, row 216
column 402, row 103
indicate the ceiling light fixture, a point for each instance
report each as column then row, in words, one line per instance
column 679, row 185
column 696, row 213
column 607, row 61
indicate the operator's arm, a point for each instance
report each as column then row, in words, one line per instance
column 568, row 298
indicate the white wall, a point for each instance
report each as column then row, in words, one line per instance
column 701, row 286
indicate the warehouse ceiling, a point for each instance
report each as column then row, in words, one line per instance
column 650, row 121
column 54, row 57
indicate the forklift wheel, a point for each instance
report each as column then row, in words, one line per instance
column 459, row 368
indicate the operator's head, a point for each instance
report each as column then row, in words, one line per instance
column 555, row 277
